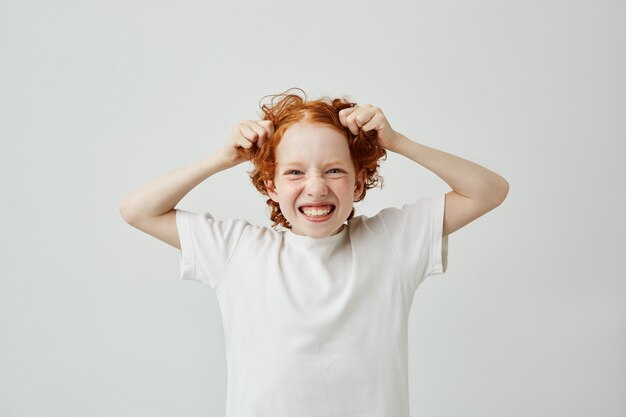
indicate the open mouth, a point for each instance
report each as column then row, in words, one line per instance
column 318, row 212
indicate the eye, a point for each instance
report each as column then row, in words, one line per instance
column 293, row 172
column 335, row 171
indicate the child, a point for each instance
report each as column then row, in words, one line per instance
column 315, row 315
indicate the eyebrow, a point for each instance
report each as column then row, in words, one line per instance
column 335, row 162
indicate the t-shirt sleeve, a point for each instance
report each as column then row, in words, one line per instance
column 415, row 231
column 206, row 245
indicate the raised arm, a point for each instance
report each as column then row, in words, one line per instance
column 475, row 189
column 151, row 208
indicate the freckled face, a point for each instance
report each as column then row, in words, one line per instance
column 315, row 183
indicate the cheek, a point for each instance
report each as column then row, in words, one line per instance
column 344, row 189
column 288, row 192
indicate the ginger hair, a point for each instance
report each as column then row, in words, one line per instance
column 291, row 109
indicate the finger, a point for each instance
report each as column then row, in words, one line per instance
column 348, row 119
column 365, row 115
column 267, row 127
column 358, row 118
column 245, row 143
column 261, row 133
column 344, row 113
column 374, row 123
column 248, row 137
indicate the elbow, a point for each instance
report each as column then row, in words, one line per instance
column 496, row 191
column 124, row 210
column 503, row 191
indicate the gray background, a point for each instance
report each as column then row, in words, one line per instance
column 99, row 97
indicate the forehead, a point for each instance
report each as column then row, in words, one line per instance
column 313, row 142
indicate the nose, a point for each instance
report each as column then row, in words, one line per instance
column 316, row 186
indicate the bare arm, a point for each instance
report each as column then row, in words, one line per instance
column 151, row 207
column 475, row 189
column 161, row 195
column 466, row 178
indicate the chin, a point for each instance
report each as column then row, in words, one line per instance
column 314, row 233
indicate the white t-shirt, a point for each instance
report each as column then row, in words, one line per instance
column 317, row 327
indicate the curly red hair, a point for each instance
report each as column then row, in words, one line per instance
column 291, row 109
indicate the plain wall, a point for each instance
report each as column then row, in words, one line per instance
column 99, row 97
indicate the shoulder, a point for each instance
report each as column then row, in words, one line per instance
column 204, row 223
column 422, row 205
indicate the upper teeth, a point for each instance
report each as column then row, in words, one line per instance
column 314, row 212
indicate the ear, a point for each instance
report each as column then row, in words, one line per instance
column 271, row 190
column 359, row 185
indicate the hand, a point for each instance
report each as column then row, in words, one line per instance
column 367, row 118
column 244, row 136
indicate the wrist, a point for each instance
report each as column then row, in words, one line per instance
column 398, row 142
column 225, row 160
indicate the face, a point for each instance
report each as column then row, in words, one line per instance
column 315, row 183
